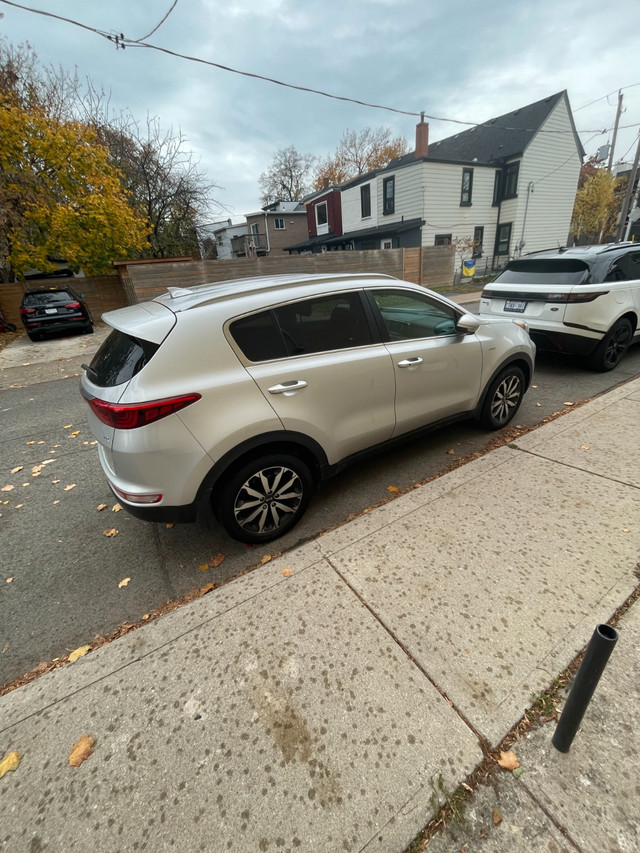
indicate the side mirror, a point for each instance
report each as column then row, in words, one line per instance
column 468, row 323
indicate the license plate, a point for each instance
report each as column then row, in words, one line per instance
column 50, row 310
column 515, row 305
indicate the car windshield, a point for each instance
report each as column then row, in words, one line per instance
column 544, row 271
column 51, row 297
column 119, row 359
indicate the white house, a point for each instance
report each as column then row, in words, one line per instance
column 508, row 185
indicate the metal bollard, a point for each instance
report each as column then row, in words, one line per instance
column 595, row 659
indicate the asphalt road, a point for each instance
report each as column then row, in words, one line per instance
column 60, row 577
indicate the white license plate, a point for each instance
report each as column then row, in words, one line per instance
column 515, row 305
column 50, row 310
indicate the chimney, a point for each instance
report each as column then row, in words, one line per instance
column 422, row 137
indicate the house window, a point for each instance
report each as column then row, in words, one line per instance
column 442, row 240
column 254, row 228
column 467, row 186
column 279, row 224
column 365, row 201
column 511, row 180
column 388, row 196
column 478, row 240
column 322, row 216
column 386, row 244
column 497, row 188
column 503, row 238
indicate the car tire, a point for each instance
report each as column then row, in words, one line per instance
column 251, row 509
column 503, row 398
column 88, row 330
column 34, row 336
column 609, row 352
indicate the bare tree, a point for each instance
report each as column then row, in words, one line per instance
column 289, row 177
column 358, row 153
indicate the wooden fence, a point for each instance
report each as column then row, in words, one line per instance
column 101, row 293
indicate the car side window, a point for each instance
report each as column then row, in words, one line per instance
column 324, row 323
column 633, row 265
column 258, row 337
column 617, row 271
column 407, row 315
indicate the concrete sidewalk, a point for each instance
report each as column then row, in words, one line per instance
column 324, row 701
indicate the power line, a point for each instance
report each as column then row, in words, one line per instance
column 157, row 27
column 121, row 41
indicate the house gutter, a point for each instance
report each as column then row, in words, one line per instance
column 266, row 232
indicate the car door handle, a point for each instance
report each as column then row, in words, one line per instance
column 410, row 362
column 288, row 387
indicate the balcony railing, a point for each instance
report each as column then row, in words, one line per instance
column 249, row 245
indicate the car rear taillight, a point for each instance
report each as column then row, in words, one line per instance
column 134, row 415
column 27, row 310
column 575, row 296
column 73, row 306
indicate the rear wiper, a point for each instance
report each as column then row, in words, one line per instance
column 89, row 370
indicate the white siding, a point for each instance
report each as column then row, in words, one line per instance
column 552, row 164
column 351, row 212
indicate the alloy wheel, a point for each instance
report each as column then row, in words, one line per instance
column 506, row 398
column 267, row 499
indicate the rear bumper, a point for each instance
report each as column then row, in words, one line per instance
column 42, row 327
column 163, row 514
column 552, row 340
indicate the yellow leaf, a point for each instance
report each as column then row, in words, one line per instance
column 10, row 762
column 265, row 559
column 100, row 507
column 204, row 567
column 79, row 653
column 207, row 588
column 496, row 817
column 7, row 488
column 568, row 404
column 625, row 530
column 68, row 488
column 214, row 562
column 124, row 582
column 82, row 749
column 393, row 489
column 169, row 525
column 508, row 760
column 18, row 468
column 116, row 508
column 30, row 442
column 74, row 434
column 584, row 447
column 9, row 580
column 68, row 426
column 110, row 532
column 17, row 506
column 286, row 573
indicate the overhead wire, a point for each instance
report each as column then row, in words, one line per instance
column 121, row 41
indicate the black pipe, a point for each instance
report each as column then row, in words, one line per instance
column 595, row 659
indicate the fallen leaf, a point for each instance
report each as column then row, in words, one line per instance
column 18, row 468
column 584, row 447
column 79, row 653
column 9, row 580
column 538, row 404
column 68, row 426
column 286, row 573
column 393, row 489
column 68, row 488
column 10, row 762
column 82, row 749
column 17, row 506
column 74, row 434
column 169, row 525
column 110, row 532
column 265, row 559
column 450, row 452
column 56, row 502
column 204, row 567
column 124, row 582
column 508, row 760
column 496, row 817
column 116, row 508
column 145, row 617
column 214, row 562
column 467, row 787
column 207, row 588
column 55, row 482
column 100, row 507
column 7, row 488
column 625, row 530
column 568, row 404
column 30, row 442
column 534, row 386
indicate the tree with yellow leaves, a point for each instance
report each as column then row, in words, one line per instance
column 59, row 196
column 596, row 204
column 358, row 153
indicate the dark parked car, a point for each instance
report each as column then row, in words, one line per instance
column 54, row 309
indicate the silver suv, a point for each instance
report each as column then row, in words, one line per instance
column 229, row 401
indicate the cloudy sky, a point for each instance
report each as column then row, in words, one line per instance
column 454, row 59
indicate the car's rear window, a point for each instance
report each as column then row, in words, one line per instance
column 51, row 297
column 119, row 358
column 544, row 271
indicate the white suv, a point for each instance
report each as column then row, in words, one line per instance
column 584, row 300
column 231, row 400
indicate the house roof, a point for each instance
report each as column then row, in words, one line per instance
column 380, row 230
column 497, row 139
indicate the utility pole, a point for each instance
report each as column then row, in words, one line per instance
column 628, row 195
column 615, row 130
